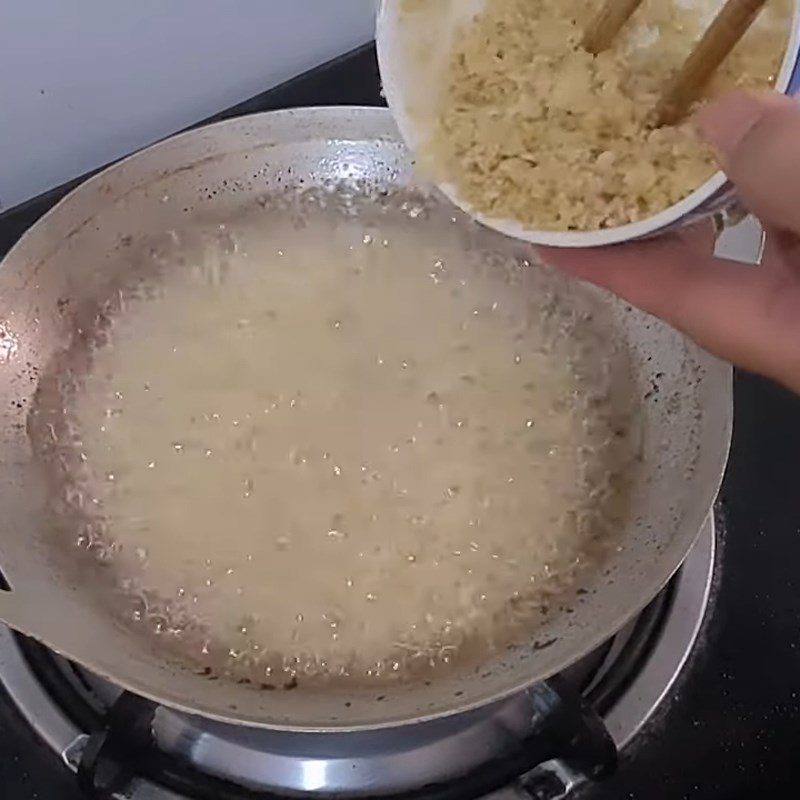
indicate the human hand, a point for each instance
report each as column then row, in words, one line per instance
column 747, row 315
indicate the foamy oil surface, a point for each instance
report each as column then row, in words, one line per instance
column 336, row 440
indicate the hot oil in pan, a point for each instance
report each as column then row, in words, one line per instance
column 336, row 439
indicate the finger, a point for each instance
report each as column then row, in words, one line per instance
column 740, row 313
column 781, row 252
column 700, row 237
column 651, row 275
column 757, row 141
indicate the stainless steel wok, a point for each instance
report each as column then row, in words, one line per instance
column 686, row 423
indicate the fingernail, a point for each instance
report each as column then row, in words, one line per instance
column 725, row 122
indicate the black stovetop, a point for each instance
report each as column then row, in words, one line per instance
column 733, row 726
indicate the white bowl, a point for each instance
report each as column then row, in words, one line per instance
column 412, row 56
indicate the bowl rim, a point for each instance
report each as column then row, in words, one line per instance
column 631, row 231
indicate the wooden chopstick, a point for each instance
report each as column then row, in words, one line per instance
column 607, row 23
column 730, row 25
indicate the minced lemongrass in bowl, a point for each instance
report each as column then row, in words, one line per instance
column 534, row 129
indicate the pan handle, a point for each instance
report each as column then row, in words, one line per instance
column 14, row 611
column 25, row 612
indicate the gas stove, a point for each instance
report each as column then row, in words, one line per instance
column 111, row 739
column 700, row 693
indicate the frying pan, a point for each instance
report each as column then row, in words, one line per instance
column 684, row 398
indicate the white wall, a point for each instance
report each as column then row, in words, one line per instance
column 85, row 81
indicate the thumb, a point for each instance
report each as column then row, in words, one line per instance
column 757, row 140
